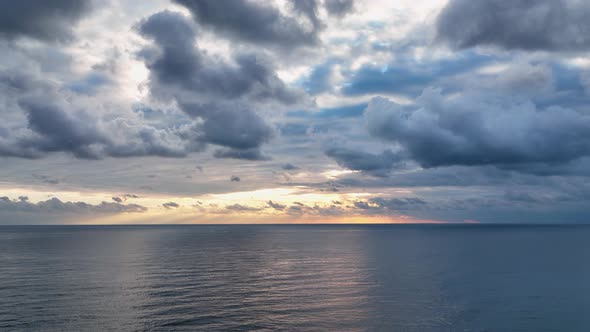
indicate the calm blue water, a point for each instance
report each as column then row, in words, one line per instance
column 295, row 278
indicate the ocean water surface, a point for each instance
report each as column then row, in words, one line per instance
column 295, row 278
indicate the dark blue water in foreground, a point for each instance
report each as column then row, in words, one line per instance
column 295, row 278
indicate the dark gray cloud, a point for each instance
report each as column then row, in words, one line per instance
column 222, row 96
column 171, row 205
column 45, row 20
column 481, row 130
column 233, row 127
column 56, row 206
column 242, row 208
column 61, row 131
column 123, row 198
column 518, row 24
column 80, row 133
column 179, row 70
column 339, row 7
column 374, row 164
column 178, row 63
column 362, row 205
column 384, row 205
column 257, row 22
column 248, row 154
column 309, row 9
column 276, row 206
column 289, row 167
column 399, row 204
column 298, row 209
column 56, row 123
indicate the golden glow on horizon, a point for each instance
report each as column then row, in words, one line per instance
column 183, row 218
column 299, row 205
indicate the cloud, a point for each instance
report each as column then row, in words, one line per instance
column 57, row 130
column 123, row 198
column 408, row 76
column 289, row 167
column 522, row 197
column 442, row 176
column 276, row 206
column 362, row 205
column 374, row 164
column 62, row 131
column 55, row 205
column 330, row 113
column 298, row 209
column 229, row 126
column 44, row 20
column 171, row 205
column 292, row 80
column 258, row 22
column 320, row 79
column 242, row 208
column 519, row 79
column 90, row 84
column 399, row 204
column 219, row 95
column 339, row 7
column 57, row 122
column 178, row 65
column 222, row 96
column 520, row 24
column 480, row 130
column 294, row 129
column 46, row 179
column 249, row 154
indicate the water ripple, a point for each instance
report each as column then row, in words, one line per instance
column 268, row 278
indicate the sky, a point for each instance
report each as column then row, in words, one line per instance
column 294, row 111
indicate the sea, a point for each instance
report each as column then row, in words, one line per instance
column 295, row 278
